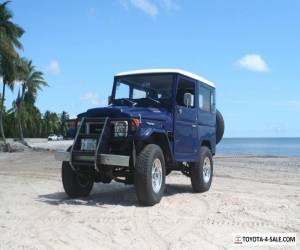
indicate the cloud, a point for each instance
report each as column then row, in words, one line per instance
column 146, row 6
column 150, row 7
column 253, row 62
column 53, row 68
column 124, row 3
column 169, row 5
column 92, row 98
column 92, row 11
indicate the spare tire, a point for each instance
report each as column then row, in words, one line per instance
column 220, row 126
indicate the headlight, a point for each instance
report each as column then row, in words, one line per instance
column 120, row 128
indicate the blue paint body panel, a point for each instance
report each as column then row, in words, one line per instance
column 190, row 127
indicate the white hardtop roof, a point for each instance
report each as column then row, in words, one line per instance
column 178, row 71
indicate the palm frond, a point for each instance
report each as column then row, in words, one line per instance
column 32, row 80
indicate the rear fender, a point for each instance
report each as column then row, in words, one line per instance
column 209, row 142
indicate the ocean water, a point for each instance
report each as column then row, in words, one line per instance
column 260, row 146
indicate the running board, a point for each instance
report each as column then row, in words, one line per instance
column 105, row 159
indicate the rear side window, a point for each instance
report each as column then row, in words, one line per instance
column 205, row 99
column 213, row 100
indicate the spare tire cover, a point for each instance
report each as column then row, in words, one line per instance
column 220, row 126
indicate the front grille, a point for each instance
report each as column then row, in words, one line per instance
column 91, row 140
column 94, row 127
column 89, row 134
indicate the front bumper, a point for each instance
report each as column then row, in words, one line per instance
column 104, row 159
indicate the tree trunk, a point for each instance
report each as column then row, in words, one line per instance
column 1, row 115
column 20, row 124
column 19, row 110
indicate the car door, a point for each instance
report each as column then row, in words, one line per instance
column 185, row 128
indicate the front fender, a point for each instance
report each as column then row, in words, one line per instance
column 146, row 132
column 158, row 136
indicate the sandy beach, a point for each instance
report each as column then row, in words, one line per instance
column 248, row 194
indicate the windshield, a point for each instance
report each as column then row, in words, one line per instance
column 147, row 90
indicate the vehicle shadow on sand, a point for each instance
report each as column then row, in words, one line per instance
column 113, row 194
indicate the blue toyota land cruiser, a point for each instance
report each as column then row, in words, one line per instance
column 157, row 121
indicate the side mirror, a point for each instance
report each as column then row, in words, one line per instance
column 188, row 100
column 109, row 100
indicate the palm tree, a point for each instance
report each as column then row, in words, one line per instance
column 31, row 82
column 64, row 117
column 8, row 74
column 51, row 123
column 10, row 34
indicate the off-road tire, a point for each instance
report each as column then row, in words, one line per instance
column 196, row 172
column 71, row 183
column 143, row 175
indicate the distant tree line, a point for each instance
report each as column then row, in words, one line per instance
column 23, row 119
column 35, row 123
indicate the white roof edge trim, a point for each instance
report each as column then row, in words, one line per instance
column 178, row 71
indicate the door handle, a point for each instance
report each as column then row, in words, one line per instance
column 194, row 126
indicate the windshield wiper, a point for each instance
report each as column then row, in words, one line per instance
column 128, row 100
column 150, row 98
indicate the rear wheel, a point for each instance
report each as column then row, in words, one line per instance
column 150, row 174
column 202, row 171
column 76, row 184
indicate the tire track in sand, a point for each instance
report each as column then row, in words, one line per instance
column 193, row 214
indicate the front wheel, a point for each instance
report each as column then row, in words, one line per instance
column 76, row 184
column 202, row 171
column 150, row 175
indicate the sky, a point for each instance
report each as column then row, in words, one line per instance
column 249, row 49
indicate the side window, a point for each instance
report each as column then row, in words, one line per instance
column 185, row 86
column 205, row 99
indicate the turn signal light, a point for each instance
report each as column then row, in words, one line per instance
column 135, row 123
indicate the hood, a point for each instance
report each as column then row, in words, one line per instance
column 124, row 111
